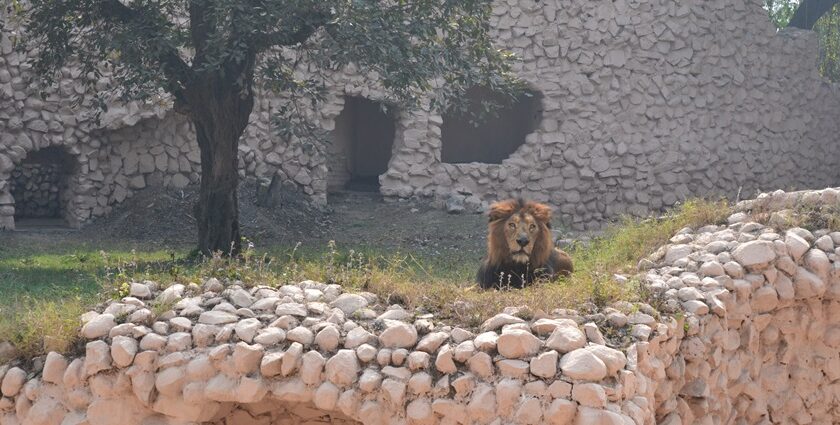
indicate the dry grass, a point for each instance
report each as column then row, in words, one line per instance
column 616, row 252
column 38, row 321
column 811, row 216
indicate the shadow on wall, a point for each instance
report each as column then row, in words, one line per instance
column 361, row 145
column 41, row 187
column 489, row 138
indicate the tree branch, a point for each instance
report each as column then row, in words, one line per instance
column 305, row 29
column 809, row 12
column 177, row 72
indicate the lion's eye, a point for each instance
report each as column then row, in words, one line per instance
column 512, row 225
column 533, row 227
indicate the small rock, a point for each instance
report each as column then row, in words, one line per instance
column 566, row 338
column 139, row 290
column 349, row 303
column 342, row 369
column 301, row 334
column 517, row 344
column 583, row 364
column 13, row 381
column 754, row 254
column 123, row 350
column 545, row 365
column 400, row 335
column 99, row 326
column 499, row 320
column 217, row 317
column 328, row 338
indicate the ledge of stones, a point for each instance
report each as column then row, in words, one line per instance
column 760, row 305
column 223, row 350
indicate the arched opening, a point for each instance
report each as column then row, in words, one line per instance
column 489, row 138
column 40, row 187
column 361, row 145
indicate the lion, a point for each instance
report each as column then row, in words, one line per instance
column 519, row 246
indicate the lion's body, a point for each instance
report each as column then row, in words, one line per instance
column 520, row 248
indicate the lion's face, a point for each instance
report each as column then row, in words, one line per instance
column 521, row 231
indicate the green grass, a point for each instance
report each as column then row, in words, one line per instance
column 43, row 293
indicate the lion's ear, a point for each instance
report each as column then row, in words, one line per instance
column 502, row 209
column 541, row 212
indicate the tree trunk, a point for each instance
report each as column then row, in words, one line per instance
column 219, row 109
column 809, row 12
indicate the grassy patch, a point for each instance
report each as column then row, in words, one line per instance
column 42, row 295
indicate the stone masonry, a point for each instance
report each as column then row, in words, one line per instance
column 643, row 104
column 748, row 332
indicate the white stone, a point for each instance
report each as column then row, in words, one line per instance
column 584, row 365
column 270, row 336
column 486, row 341
column 796, row 245
column 545, row 365
column 342, row 369
column 444, row 362
column 431, row 342
column 349, row 303
column 614, row 359
column 517, row 344
column 54, row 367
column 13, row 382
column 123, row 350
column 589, row 394
column 755, row 254
column 566, row 338
column 300, row 334
column 216, row 317
column 99, row 326
column 312, row 365
column 140, row 290
column 97, row 357
column 499, row 320
column 481, row 364
column 561, row 412
column 401, row 335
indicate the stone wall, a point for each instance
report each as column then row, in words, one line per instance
column 747, row 331
column 643, row 104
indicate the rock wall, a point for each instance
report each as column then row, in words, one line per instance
column 746, row 331
column 643, row 104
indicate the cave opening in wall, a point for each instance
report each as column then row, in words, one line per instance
column 489, row 138
column 40, row 187
column 360, row 145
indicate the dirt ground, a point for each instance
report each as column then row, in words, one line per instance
column 163, row 218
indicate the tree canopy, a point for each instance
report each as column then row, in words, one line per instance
column 210, row 54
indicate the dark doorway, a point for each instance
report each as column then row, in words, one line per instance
column 40, row 187
column 491, row 138
column 361, row 145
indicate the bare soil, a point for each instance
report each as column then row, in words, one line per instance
column 162, row 218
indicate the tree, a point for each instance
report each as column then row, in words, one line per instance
column 210, row 55
column 809, row 12
column 821, row 16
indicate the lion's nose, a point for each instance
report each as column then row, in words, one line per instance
column 522, row 240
